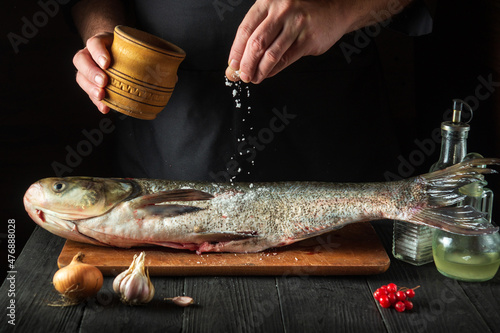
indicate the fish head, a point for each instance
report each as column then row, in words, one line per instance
column 57, row 204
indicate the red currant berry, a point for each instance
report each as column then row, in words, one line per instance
column 376, row 294
column 401, row 295
column 400, row 306
column 392, row 288
column 384, row 301
column 408, row 305
column 392, row 297
column 383, row 288
column 410, row 293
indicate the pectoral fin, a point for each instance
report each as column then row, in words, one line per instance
column 169, row 196
column 167, row 210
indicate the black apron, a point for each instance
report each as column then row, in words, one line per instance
column 320, row 119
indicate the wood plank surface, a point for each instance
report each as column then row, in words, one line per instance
column 107, row 313
column 486, row 296
column 352, row 250
column 325, row 304
column 286, row 303
column 233, row 304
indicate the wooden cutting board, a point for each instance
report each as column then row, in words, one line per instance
column 352, row 250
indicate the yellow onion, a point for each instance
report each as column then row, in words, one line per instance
column 78, row 281
column 134, row 285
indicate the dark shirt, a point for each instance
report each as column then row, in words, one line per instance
column 323, row 118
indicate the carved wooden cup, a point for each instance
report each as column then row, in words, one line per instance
column 142, row 74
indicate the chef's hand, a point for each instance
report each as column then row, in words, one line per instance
column 90, row 63
column 274, row 34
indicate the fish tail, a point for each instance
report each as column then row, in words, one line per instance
column 441, row 196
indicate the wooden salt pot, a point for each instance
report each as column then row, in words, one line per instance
column 142, row 74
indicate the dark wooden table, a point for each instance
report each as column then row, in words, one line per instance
column 250, row 304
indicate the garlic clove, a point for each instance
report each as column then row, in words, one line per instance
column 151, row 290
column 181, row 300
column 118, row 280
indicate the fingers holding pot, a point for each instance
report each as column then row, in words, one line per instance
column 90, row 63
column 98, row 47
column 95, row 93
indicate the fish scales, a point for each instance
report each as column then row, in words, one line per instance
column 245, row 217
column 286, row 207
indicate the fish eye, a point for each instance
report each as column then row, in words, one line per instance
column 59, row 186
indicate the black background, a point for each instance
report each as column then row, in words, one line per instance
column 43, row 110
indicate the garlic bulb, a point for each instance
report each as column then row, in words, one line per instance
column 134, row 285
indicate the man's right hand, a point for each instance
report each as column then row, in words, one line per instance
column 90, row 63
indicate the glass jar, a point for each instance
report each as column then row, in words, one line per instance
column 469, row 258
column 466, row 258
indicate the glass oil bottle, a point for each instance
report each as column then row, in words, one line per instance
column 413, row 243
column 469, row 258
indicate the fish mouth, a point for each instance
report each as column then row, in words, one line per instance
column 36, row 214
column 40, row 214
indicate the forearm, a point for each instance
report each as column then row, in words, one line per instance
column 96, row 16
column 362, row 13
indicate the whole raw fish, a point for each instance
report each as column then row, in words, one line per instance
column 245, row 217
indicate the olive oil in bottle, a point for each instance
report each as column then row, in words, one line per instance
column 469, row 258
